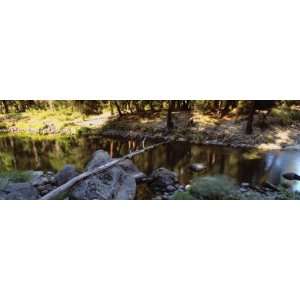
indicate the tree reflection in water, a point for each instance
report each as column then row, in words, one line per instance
column 243, row 165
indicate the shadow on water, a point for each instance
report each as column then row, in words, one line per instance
column 243, row 165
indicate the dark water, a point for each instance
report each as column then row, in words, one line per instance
column 242, row 165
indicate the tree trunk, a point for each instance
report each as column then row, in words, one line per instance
column 170, row 124
column 6, row 109
column 249, row 128
column 119, row 109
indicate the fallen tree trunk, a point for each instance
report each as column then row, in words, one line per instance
column 65, row 187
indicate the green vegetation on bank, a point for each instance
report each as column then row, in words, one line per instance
column 14, row 177
column 221, row 187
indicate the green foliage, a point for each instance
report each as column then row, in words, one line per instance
column 213, row 188
column 286, row 114
column 287, row 194
column 183, row 196
column 14, row 176
column 210, row 188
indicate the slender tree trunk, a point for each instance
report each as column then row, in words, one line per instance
column 6, row 109
column 119, row 109
column 170, row 124
column 249, row 128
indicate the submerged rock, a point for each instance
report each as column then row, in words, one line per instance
column 113, row 184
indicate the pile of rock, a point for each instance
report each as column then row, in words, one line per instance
column 44, row 182
column 164, row 183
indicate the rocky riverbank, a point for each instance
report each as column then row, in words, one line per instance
column 123, row 180
column 118, row 182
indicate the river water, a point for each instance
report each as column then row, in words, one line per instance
column 242, row 165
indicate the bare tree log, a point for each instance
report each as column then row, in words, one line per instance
column 65, row 187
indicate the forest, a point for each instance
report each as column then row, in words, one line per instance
column 187, row 149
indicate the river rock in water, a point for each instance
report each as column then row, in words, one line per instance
column 66, row 174
column 113, row 184
column 197, row 167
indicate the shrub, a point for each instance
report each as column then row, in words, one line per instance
column 213, row 188
column 286, row 115
column 14, row 176
column 210, row 188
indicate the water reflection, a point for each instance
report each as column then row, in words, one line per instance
column 243, row 165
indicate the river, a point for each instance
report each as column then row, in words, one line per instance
column 20, row 153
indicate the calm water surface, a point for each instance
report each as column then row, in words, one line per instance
column 243, row 165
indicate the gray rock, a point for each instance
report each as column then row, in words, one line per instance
column 129, row 167
column 197, row 167
column 66, row 174
column 47, row 187
column 245, row 184
column 21, row 191
column 161, row 178
column 3, row 196
column 52, row 180
column 170, row 188
column 39, row 179
column 113, row 184
column 188, row 186
column 100, row 157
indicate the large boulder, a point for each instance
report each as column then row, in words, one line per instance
column 99, row 158
column 130, row 168
column 66, row 174
column 113, row 184
column 20, row 191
